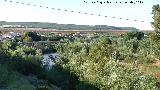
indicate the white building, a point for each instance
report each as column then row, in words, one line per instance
column 12, row 26
column 11, row 35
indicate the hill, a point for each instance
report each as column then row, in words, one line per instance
column 46, row 25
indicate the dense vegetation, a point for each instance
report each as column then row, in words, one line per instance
column 65, row 26
column 101, row 63
column 89, row 64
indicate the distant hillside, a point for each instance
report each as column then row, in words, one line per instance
column 45, row 25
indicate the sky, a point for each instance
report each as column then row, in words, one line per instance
column 13, row 12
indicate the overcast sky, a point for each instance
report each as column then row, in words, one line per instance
column 29, row 13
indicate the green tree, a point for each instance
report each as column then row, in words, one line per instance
column 155, row 36
column 32, row 35
column 27, row 39
column 156, row 17
column 105, row 40
column 135, row 34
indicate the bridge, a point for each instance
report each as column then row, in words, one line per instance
column 39, row 44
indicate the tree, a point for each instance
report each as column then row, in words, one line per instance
column 33, row 36
column 139, row 35
column 156, row 17
column 27, row 39
column 135, row 34
column 7, row 44
column 155, row 36
column 105, row 40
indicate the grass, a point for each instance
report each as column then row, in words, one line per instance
column 11, row 80
column 151, row 68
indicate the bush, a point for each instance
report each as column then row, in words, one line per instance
column 100, row 70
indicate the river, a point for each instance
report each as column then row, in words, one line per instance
column 48, row 60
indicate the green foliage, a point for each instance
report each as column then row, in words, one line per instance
column 6, row 45
column 134, row 34
column 105, row 40
column 101, row 63
column 13, row 81
column 86, row 86
column 49, row 49
column 155, row 36
column 98, row 64
column 156, row 17
column 26, row 60
column 5, row 77
column 31, row 36
column 55, row 38
column 99, row 68
column 27, row 39
column 117, row 76
column 62, row 78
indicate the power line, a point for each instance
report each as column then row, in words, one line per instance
column 66, row 10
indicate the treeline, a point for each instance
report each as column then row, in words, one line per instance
column 65, row 26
